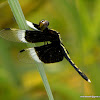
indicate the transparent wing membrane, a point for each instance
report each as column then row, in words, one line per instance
column 28, row 56
column 14, row 35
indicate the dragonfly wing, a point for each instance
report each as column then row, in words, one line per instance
column 50, row 53
column 15, row 35
column 25, row 36
column 32, row 25
column 28, row 56
column 46, row 53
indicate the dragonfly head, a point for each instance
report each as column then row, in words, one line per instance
column 43, row 24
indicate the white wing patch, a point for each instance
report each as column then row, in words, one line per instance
column 34, row 55
column 30, row 24
column 21, row 36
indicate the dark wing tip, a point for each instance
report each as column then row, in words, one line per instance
column 22, row 50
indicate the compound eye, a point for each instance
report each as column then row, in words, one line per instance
column 43, row 24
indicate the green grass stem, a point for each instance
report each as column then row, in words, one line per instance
column 20, row 19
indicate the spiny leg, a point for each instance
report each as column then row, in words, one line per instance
column 73, row 64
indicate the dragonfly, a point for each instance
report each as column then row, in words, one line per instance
column 48, row 53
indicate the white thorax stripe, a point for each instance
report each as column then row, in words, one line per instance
column 33, row 55
column 30, row 24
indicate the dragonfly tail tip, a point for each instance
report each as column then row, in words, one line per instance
column 89, row 81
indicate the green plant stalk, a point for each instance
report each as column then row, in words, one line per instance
column 20, row 19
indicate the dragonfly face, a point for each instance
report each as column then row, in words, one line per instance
column 49, row 53
column 43, row 24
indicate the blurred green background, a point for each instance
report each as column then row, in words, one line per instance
column 78, row 22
